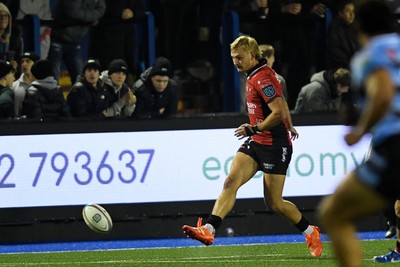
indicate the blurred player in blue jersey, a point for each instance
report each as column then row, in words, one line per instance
column 368, row 189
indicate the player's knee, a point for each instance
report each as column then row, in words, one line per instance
column 228, row 182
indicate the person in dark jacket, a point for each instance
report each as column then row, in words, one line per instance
column 72, row 21
column 44, row 99
column 6, row 93
column 156, row 92
column 114, row 36
column 325, row 92
column 89, row 97
column 122, row 100
column 342, row 40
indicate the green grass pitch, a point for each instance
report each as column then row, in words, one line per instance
column 287, row 254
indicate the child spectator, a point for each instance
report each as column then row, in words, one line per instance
column 156, row 92
column 44, row 99
column 21, row 85
column 89, row 97
column 122, row 100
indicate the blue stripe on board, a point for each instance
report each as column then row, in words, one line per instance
column 162, row 243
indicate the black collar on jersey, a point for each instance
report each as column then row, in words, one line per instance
column 260, row 63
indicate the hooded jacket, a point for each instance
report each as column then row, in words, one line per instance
column 116, row 105
column 44, row 99
column 319, row 95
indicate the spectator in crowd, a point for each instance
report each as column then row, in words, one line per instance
column 342, row 40
column 42, row 9
column 325, row 91
column 10, row 37
column 6, row 93
column 257, row 18
column 122, row 99
column 44, row 99
column 114, row 36
column 72, row 21
column 297, row 21
column 25, row 80
column 88, row 97
column 156, row 92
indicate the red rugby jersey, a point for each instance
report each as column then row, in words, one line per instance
column 263, row 85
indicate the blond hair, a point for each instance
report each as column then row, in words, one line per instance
column 5, row 38
column 247, row 43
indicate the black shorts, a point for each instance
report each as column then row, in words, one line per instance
column 381, row 170
column 270, row 159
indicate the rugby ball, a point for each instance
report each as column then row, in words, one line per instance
column 97, row 218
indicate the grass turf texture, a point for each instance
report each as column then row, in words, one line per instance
column 284, row 254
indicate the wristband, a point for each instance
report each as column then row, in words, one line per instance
column 256, row 130
column 252, row 130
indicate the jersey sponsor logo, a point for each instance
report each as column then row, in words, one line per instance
column 269, row 91
column 251, row 105
column 250, row 108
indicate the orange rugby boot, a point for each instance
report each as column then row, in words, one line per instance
column 314, row 243
column 200, row 233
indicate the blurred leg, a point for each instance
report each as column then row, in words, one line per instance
column 338, row 212
column 55, row 57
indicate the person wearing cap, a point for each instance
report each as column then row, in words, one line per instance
column 89, row 97
column 26, row 78
column 44, row 99
column 122, row 99
column 6, row 93
column 156, row 92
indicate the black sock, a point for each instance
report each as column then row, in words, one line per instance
column 214, row 220
column 302, row 224
column 398, row 246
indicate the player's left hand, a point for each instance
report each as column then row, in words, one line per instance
column 240, row 132
column 246, row 130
